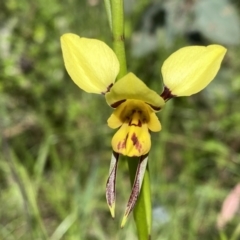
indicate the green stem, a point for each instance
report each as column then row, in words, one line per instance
column 142, row 210
column 118, row 35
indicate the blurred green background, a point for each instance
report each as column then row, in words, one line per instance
column 55, row 143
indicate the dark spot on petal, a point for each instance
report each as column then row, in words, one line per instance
column 136, row 125
column 125, row 141
column 166, row 94
column 154, row 107
column 136, row 142
column 108, row 89
column 139, row 123
column 134, row 139
column 122, row 144
column 116, row 104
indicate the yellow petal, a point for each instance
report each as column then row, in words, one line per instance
column 131, row 87
column 116, row 119
column 154, row 124
column 190, row 69
column 132, row 140
column 91, row 64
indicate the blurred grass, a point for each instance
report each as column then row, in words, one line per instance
column 55, row 145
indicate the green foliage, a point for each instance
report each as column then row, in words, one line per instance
column 55, row 145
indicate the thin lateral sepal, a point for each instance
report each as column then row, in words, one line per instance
column 136, row 188
column 111, row 183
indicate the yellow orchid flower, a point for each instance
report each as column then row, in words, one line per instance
column 93, row 66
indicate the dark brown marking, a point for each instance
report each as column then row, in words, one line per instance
column 134, row 139
column 116, row 155
column 166, row 94
column 125, row 141
column 154, row 107
column 122, row 144
column 136, row 125
column 136, row 142
column 108, row 89
column 116, row 104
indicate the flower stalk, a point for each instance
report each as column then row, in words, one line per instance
column 142, row 211
column 117, row 18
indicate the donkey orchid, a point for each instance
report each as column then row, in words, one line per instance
column 93, row 66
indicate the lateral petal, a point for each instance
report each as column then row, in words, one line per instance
column 115, row 120
column 190, row 69
column 91, row 64
column 154, row 124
